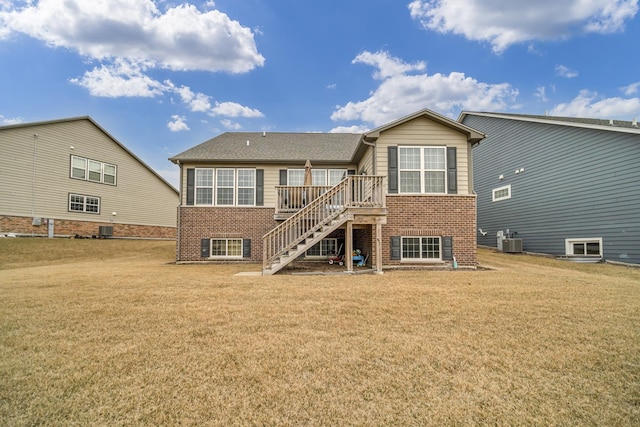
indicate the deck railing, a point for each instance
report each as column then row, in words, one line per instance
column 310, row 214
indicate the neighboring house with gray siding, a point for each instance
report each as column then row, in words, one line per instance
column 565, row 186
column 70, row 177
column 400, row 193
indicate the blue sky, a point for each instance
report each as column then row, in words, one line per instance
column 164, row 76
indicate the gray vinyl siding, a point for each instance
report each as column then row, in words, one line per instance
column 577, row 183
column 139, row 197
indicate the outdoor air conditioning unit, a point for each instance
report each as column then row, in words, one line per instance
column 512, row 245
column 105, row 231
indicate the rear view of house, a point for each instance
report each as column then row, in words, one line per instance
column 400, row 195
column 70, row 177
column 564, row 186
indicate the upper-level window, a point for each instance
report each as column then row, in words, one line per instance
column 204, row 186
column 92, row 170
column 231, row 187
column 295, row 177
column 422, row 169
column 82, row 203
column 501, row 193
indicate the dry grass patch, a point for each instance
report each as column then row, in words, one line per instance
column 109, row 332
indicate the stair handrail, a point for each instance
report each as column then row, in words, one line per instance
column 306, row 221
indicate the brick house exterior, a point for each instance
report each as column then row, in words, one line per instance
column 239, row 188
column 70, row 177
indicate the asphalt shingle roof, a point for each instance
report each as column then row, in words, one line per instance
column 274, row 147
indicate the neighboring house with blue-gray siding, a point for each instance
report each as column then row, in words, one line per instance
column 565, row 186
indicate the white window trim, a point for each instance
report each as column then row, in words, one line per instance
column 496, row 190
column 196, row 187
column 214, row 187
column 84, row 203
column 238, row 187
column 321, row 256
column 414, row 260
column 289, row 171
column 226, row 248
column 327, row 175
column 217, row 186
column 422, row 168
column 568, row 246
column 86, row 171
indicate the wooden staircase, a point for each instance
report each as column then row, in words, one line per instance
column 323, row 215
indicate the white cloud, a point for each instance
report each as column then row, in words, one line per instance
column 350, row 129
column 386, row 66
column 6, row 121
column 122, row 79
column 401, row 93
column 588, row 104
column 503, row 23
column 181, row 38
column 197, row 102
column 228, row 124
column 565, row 71
column 631, row 89
column 541, row 93
column 233, row 109
column 177, row 124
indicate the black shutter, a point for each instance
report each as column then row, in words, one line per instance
column 191, row 179
column 283, row 177
column 447, row 248
column 204, row 248
column 395, row 248
column 246, row 248
column 392, row 175
column 260, row 187
column 452, row 167
column 351, row 172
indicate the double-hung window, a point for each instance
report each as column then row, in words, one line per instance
column 295, row 177
column 93, row 170
column 204, row 186
column 225, row 187
column 226, row 248
column 246, row 187
column 421, row 248
column 422, row 169
column 225, row 184
column 85, row 204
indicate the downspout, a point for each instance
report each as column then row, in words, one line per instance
column 34, row 176
column 374, row 157
column 179, row 213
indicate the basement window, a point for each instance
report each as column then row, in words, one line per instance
column 591, row 247
column 226, row 248
column 323, row 249
column 421, row 248
column 501, row 193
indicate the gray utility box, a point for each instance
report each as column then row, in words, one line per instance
column 512, row 245
column 105, row 231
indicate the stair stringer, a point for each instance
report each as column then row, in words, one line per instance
column 301, row 248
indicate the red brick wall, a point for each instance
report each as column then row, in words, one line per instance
column 63, row 227
column 445, row 215
column 197, row 223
